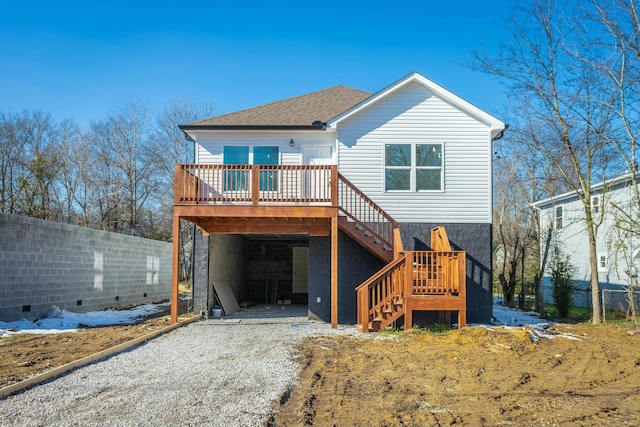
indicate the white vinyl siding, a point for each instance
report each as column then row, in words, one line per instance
column 574, row 239
column 209, row 144
column 413, row 115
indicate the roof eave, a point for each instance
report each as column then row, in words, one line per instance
column 186, row 128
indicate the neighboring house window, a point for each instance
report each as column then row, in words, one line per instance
column 236, row 180
column 267, row 156
column 595, row 204
column 602, row 262
column 558, row 217
column 411, row 167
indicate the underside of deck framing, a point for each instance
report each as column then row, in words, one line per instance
column 234, row 219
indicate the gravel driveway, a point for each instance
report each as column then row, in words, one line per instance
column 212, row 372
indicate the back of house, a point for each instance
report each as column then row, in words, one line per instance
column 298, row 201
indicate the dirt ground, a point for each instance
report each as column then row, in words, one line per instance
column 23, row 356
column 471, row 377
column 583, row 376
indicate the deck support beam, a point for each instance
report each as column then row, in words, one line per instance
column 175, row 269
column 334, row 272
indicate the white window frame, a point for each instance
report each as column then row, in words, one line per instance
column 558, row 220
column 603, row 258
column 595, row 204
column 413, row 168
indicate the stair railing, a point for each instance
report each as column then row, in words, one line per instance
column 382, row 293
column 359, row 208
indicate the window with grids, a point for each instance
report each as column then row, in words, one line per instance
column 413, row 167
column 559, row 218
column 595, row 204
column 602, row 262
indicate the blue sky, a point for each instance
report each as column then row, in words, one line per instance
column 78, row 59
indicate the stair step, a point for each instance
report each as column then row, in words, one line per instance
column 387, row 311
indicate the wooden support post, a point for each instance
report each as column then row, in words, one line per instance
column 175, row 269
column 334, row 271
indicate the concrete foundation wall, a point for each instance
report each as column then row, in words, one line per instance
column 201, row 293
column 228, row 262
column 78, row 269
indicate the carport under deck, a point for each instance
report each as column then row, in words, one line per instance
column 315, row 200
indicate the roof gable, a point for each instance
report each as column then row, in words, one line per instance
column 496, row 125
column 303, row 110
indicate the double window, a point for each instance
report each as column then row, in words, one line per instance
column 235, row 180
column 413, row 167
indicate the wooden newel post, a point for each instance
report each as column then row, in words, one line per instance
column 333, row 179
column 462, row 288
column 255, row 184
column 408, row 290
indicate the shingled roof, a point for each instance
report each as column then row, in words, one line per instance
column 301, row 110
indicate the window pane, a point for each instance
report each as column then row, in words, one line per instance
column 236, row 155
column 559, row 212
column 236, row 180
column 397, row 179
column 397, row 154
column 265, row 155
column 429, row 179
column 429, row 155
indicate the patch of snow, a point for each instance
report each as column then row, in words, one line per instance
column 58, row 320
column 506, row 316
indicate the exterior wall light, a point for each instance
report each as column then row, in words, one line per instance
column 291, row 143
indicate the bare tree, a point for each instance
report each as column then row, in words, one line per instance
column 544, row 69
column 9, row 160
column 172, row 147
column 123, row 171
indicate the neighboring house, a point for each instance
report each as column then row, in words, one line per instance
column 304, row 199
column 617, row 250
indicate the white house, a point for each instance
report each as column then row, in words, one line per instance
column 618, row 252
column 406, row 159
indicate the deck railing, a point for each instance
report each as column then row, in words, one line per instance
column 254, row 184
column 437, row 273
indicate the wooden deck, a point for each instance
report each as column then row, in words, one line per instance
column 315, row 200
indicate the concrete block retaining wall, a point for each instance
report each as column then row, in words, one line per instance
column 79, row 269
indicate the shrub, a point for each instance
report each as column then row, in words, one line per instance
column 561, row 272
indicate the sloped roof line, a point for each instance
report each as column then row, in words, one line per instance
column 303, row 110
column 622, row 179
column 497, row 126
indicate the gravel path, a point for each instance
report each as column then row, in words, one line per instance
column 212, row 372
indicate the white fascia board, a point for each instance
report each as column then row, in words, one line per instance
column 571, row 194
column 496, row 125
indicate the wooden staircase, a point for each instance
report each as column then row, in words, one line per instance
column 366, row 222
column 411, row 280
